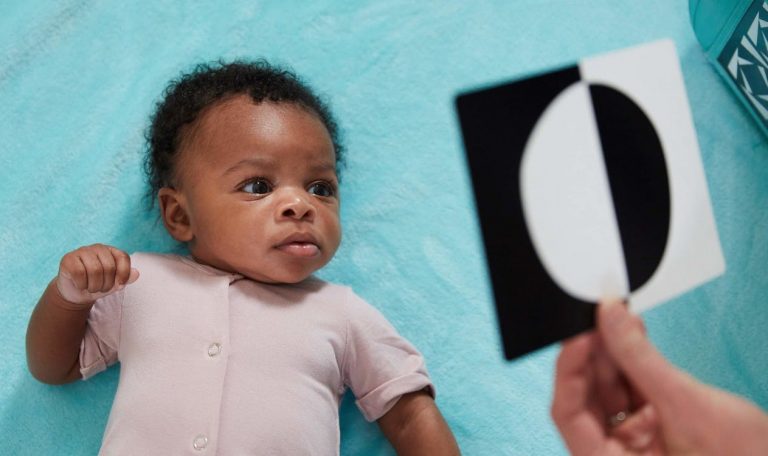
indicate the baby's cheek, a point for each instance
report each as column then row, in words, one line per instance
column 336, row 231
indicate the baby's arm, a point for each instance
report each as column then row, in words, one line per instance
column 415, row 426
column 57, row 325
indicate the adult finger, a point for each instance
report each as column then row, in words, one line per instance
column 657, row 380
column 640, row 430
column 636, row 398
column 613, row 391
column 572, row 408
column 571, row 375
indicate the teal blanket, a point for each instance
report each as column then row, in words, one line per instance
column 78, row 80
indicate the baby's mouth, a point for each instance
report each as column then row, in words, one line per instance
column 302, row 249
column 299, row 244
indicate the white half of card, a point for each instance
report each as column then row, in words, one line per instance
column 566, row 146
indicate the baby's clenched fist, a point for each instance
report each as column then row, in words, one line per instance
column 94, row 271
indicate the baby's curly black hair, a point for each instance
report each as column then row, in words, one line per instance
column 186, row 97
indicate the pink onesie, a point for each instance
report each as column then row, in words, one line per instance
column 214, row 363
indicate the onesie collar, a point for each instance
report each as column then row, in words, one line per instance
column 210, row 270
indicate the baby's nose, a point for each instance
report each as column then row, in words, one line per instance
column 296, row 207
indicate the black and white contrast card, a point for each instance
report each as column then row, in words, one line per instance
column 588, row 183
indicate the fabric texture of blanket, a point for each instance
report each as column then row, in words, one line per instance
column 78, row 80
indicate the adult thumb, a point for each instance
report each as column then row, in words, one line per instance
column 647, row 370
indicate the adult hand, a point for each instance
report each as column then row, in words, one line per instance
column 92, row 272
column 616, row 394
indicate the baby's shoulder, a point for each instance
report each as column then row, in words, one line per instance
column 342, row 297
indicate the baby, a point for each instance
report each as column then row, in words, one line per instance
column 236, row 348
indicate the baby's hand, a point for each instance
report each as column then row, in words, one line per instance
column 91, row 272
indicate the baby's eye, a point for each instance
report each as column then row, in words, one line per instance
column 257, row 187
column 321, row 189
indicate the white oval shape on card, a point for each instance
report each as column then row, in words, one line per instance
column 567, row 202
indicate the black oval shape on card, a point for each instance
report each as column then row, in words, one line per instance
column 637, row 173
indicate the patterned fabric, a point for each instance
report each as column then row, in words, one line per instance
column 745, row 57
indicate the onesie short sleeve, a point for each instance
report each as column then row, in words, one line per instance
column 98, row 350
column 379, row 365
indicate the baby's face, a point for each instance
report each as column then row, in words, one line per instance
column 259, row 185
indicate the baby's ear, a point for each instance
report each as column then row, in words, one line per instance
column 174, row 212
